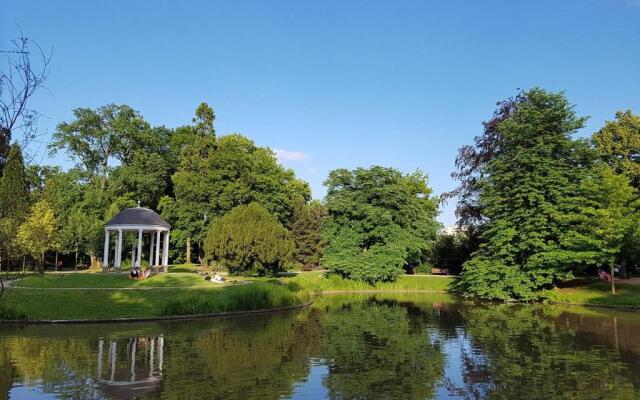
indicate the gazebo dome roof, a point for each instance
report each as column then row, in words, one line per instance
column 138, row 216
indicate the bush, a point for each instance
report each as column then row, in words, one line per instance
column 250, row 240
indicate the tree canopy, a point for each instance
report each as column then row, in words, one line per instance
column 527, row 192
column 618, row 144
column 379, row 222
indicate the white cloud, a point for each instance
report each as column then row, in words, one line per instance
column 285, row 155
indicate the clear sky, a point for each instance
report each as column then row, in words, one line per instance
column 334, row 83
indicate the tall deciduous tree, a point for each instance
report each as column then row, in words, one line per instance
column 38, row 232
column 250, row 240
column 98, row 135
column 618, row 144
column 380, row 221
column 527, row 192
column 607, row 221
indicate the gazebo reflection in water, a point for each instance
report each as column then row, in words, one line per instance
column 136, row 372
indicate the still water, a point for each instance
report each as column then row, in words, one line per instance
column 343, row 347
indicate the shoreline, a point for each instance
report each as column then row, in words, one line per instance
column 158, row 318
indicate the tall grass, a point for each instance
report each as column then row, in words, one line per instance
column 12, row 313
column 256, row 296
column 322, row 282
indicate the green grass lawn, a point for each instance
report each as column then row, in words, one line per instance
column 599, row 293
column 110, row 280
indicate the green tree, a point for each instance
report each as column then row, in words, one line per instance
column 618, row 144
column 379, row 222
column 217, row 174
column 14, row 194
column 146, row 179
column 98, row 135
column 38, row 232
column 527, row 193
column 249, row 239
column 14, row 203
column 306, row 228
column 607, row 221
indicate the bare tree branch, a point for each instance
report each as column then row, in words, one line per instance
column 18, row 83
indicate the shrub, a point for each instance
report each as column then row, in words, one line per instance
column 250, row 240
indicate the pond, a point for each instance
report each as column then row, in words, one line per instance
column 343, row 347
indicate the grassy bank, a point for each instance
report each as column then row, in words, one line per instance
column 75, row 296
column 316, row 282
column 599, row 293
column 118, row 303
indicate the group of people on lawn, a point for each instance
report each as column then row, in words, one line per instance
column 139, row 274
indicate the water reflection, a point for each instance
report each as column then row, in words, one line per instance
column 344, row 347
column 137, row 372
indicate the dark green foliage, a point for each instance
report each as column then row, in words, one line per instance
column 249, row 240
column 380, row 221
column 14, row 204
column 14, row 195
column 451, row 251
column 306, row 228
column 528, row 194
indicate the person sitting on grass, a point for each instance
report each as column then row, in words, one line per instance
column 135, row 273
column 218, row 278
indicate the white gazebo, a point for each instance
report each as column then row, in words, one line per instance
column 138, row 221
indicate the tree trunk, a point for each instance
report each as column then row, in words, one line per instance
column 24, row 264
column 42, row 263
column 94, row 261
column 75, row 265
column 56, row 266
column 613, row 272
column 188, row 260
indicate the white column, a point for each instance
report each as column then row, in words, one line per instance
column 139, row 255
column 151, row 249
column 165, row 256
column 157, row 248
column 119, row 251
column 133, row 254
column 105, row 258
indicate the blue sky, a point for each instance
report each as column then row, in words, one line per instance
column 334, row 83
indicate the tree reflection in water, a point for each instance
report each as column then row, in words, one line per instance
column 344, row 347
